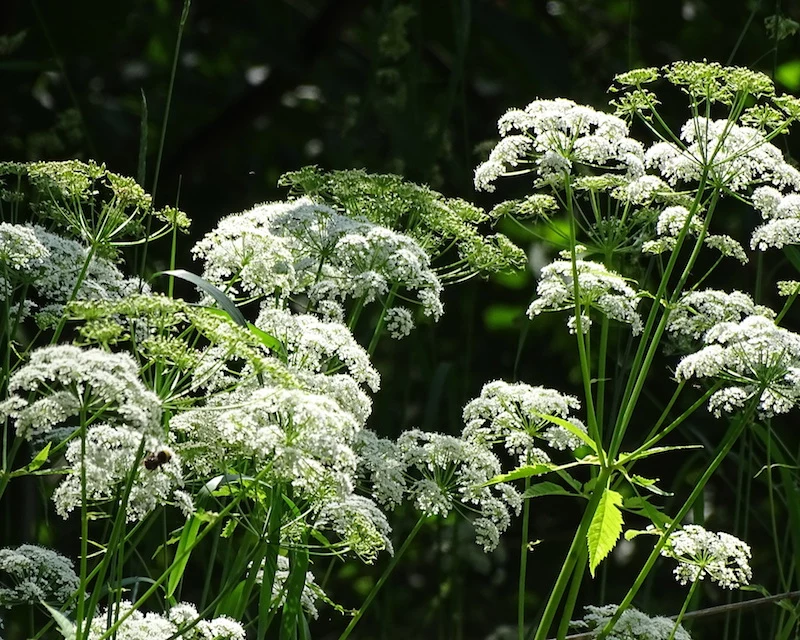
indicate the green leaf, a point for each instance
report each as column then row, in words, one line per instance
column 293, row 609
column 188, row 536
column 566, row 424
column 546, row 489
column 65, row 625
column 638, row 455
column 34, row 464
column 527, row 471
column 649, row 484
column 605, row 528
column 224, row 302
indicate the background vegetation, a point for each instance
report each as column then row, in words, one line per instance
column 413, row 88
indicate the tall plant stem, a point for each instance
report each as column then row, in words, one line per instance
column 384, row 577
column 523, row 564
column 685, row 606
column 574, row 553
column 724, row 449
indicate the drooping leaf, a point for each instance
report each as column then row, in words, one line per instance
column 65, row 625
column 546, row 489
column 605, row 528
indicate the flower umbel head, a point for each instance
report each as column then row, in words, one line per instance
column 30, row 574
column 598, row 288
column 60, row 382
column 722, row 557
column 631, row 625
column 758, row 360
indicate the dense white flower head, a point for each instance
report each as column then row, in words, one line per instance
column 34, row 574
column 722, row 557
column 698, row 311
column 551, row 136
column 643, row 190
column 52, row 265
column 109, row 461
column 154, row 626
column 20, row 249
column 308, row 598
column 444, row 472
column 758, row 359
column 736, row 157
column 60, row 381
column 781, row 213
column 513, row 414
column 399, row 322
column 285, row 248
column 304, row 438
column 360, row 525
column 599, row 288
column 632, row 624
column 317, row 346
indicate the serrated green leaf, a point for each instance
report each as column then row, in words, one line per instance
column 546, row 489
column 605, row 528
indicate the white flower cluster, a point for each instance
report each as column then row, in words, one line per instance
column 52, row 265
column 33, row 574
column 308, row 598
column 722, row 557
column 285, row 248
column 782, row 215
column 644, row 189
column 154, row 626
column 60, row 381
column 361, row 526
column 306, row 439
column 439, row 473
column 760, row 360
column 399, row 322
column 514, row 414
column 314, row 345
column 735, row 157
column 556, row 134
column 598, row 287
column 60, row 384
column 20, row 249
column 632, row 624
column 110, row 452
column 671, row 222
column 698, row 311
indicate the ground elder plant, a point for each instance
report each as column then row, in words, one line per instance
column 212, row 453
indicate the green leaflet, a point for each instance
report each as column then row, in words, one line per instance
column 605, row 528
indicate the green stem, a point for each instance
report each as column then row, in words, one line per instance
column 727, row 444
column 384, row 576
column 575, row 550
column 523, row 564
column 685, row 606
column 574, row 588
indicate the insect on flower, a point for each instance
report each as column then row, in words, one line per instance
column 156, row 459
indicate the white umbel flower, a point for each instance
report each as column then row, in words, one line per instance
column 698, row 311
column 58, row 382
column 755, row 357
column 513, row 414
column 109, row 461
column 631, row 625
column 551, row 136
column 721, row 557
column 34, row 574
column 598, row 288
